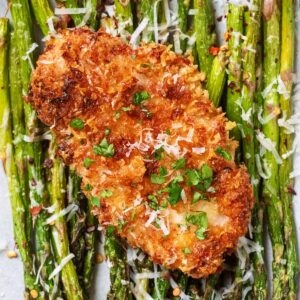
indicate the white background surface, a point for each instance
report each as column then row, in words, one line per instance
column 11, row 277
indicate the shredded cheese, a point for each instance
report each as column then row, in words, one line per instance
column 63, row 262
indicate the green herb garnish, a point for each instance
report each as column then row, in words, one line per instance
column 106, row 193
column 201, row 221
column 107, row 131
column 140, row 97
column 174, row 191
column 202, row 179
column 95, row 201
column 224, row 153
column 197, row 196
column 88, row 187
column 77, row 124
column 186, row 251
column 158, row 153
column 159, row 178
column 104, row 149
column 109, row 230
column 179, row 164
column 153, row 202
column 87, row 162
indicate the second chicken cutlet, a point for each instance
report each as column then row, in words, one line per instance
column 154, row 154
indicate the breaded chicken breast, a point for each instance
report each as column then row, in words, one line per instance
column 154, row 154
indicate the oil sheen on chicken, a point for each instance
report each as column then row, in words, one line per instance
column 153, row 152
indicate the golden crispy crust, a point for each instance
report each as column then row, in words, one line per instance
column 94, row 77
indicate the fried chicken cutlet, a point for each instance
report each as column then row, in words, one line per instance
column 154, row 154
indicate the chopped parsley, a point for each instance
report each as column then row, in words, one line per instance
column 106, row 193
column 117, row 115
column 126, row 108
column 107, row 131
column 198, row 196
column 87, row 162
column 121, row 224
column 133, row 56
column 104, row 149
column 168, row 131
column 140, row 97
column 158, row 153
column 179, row 164
column 202, row 179
column 178, row 178
column 153, row 202
column 164, row 204
column 174, row 191
column 77, row 124
column 201, row 221
column 186, row 251
column 224, row 153
column 109, row 230
column 95, row 201
column 88, row 187
column 159, row 178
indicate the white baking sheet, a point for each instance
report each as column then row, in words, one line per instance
column 11, row 271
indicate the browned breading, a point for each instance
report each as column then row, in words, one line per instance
column 95, row 78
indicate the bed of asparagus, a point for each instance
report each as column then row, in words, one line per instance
column 241, row 76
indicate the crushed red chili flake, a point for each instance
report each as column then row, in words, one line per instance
column 35, row 210
column 214, row 50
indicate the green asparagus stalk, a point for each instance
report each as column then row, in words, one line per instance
column 145, row 9
column 7, row 156
column 235, row 31
column 182, row 27
column 90, row 246
column 124, row 14
column 271, row 68
column 205, row 33
column 33, row 150
column 91, row 15
column 42, row 12
column 217, row 78
column 286, row 143
column 76, row 223
column 250, row 50
column 116, row 254
column 4, row 91
column 18, row 122
column 161, row 289
column 77, row 18
column 60, row 240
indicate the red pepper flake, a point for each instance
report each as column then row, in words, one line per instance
column 35, row 210
column 214, row 50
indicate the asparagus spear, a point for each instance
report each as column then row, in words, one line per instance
column 60, row 241
column 33, row 150
column 271, row 68
column 42, row 12
column 76, row 223
column 250, row 50
column 7, row 156
column 116, row 254
column 124, row 14
column 235, row 31
column 90, row 18
column 182, row 27
column 286, row 143
column 4, row 91
column 217, row 78
column 145, row 9
column 18, row 123
column 205, row 33
column 90, row 246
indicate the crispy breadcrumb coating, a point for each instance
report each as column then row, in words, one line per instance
column 153, row 152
